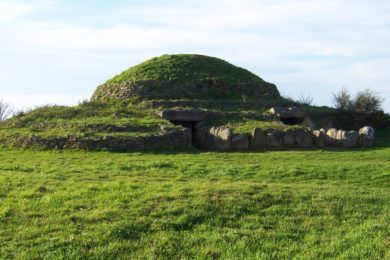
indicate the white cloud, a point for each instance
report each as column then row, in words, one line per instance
column 260, row 35
column 11, row 11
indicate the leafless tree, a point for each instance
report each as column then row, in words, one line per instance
column 342, row 100
column 4, row 110
column 366, row 101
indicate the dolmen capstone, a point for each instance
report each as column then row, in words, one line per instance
column 183, row 115
column 290, row 116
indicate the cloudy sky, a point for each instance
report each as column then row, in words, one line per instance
column 58, row 51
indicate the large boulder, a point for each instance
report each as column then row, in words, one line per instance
column 274, row 140
column 303, row 139
column 350, row 139
column 340, row 137
column 216, row 138
column 367, row 136
column 289, row 139
column 331, row 137
column 240, row 142
column 183, row 115
column 257, row 139
column 222, row 138
column 319, row 137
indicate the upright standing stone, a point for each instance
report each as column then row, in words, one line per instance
column 275, row 140
column 319, row 137
column 240, row 142
column 350, row 139
column 257, row 139
column 340, row 137
column 330, row 138
column 303, row 139
column 367, row 136
column 223, row 138
column 289, row 139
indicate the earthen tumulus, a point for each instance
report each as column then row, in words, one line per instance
column 186, row 76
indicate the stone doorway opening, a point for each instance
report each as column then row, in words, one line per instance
column 188, row 118
column 292, row 121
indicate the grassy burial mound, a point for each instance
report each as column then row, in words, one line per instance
column 122, row 112
column 186, row 76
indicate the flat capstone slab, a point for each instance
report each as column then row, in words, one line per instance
column 183, row 115
column 287, row 112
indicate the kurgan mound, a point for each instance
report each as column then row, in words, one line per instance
column 186, row 76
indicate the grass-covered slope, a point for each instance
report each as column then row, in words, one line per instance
column 87, row 120
column 186, row 76
column 272, row 205
column 185, row 67
column 99, row 120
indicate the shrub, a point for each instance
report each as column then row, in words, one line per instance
column 366, row 101
column 305, row 100
column 342, row 100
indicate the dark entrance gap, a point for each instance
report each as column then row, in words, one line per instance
column 292, row 121
column 187, row 124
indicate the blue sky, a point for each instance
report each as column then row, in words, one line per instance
column 59, row 51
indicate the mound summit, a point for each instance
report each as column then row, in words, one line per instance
column 186, row 76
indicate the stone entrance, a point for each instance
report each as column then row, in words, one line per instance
column 188, row 118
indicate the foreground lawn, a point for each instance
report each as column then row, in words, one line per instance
column 305, row 204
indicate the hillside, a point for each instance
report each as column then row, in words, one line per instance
column 186, row 76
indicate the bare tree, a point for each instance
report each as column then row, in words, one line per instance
column 4, row 110
column 342, row 100
column 368, row 101
column 305, row 100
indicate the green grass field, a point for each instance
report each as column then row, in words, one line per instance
column 290, row 204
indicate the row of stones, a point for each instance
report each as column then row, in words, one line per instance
column 222, row 138
column 171, row 140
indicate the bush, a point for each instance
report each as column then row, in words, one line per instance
column 342, row 100
column 366, row 101
column 4, row 110
column 305, row 100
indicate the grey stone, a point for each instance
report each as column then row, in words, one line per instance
column 286, row 112
column 330, row 138
column 240, row 142
column 188, row 115
column 303, row 139
column 350, row 139
column 219, row 138
column 319, row 137
column 340, row 137
column 257, row 139
column 223, row 138
column 275, row 140
column 289, row 139
column 367, row 136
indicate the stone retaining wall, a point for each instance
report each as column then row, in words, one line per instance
column 223, row 139
column 177, row 139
